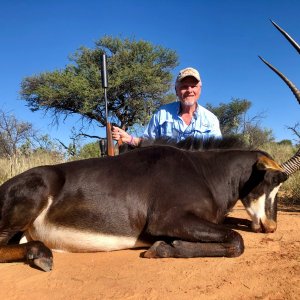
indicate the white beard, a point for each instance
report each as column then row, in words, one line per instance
column 188, row 103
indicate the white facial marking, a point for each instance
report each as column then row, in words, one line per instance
column 256, row 210
column 71, row 240
column 274, row 193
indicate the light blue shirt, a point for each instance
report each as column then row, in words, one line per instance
column 167, row 122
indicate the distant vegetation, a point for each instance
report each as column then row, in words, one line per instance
column 16, row 164
column 21, row 147
column 289, row 193
column 10, row 166
column 139, row 81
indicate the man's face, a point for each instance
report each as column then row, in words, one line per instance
column 188, row 91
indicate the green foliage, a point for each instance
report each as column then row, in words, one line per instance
column 234, row 121
column 289, row 193
column 26, row 148
column 230, row 114
column 13, row 134
column 139, row 79
column 89, row 150
column 286, row 142
column 255, row 136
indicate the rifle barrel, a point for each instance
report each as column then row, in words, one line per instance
column 110, row 144
column 104, row 72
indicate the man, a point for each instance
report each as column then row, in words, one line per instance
column 181, row 119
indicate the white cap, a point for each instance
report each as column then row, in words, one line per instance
column 188, row 72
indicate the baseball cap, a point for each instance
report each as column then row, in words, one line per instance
column 188, row 72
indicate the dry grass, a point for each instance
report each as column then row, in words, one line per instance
column 13, row 166
column 290, row 191
column 288, row 195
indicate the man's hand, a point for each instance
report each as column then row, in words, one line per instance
column 120, row 134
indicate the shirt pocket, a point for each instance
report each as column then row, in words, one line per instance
column 202, row 131
column 167, row 129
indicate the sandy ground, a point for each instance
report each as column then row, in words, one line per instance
column 269, row 269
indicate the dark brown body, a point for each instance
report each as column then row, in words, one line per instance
column 158, row 193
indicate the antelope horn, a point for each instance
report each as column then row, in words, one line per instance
column 293, row 164
column 288, row 37
column 293, row 88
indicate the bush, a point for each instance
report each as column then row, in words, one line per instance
column 289, row 193
column 89, row 151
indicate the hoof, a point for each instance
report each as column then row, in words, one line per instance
column 267, row 226
column 38, row 255
column 178, row 243
column 44, row 263
column 159, row 249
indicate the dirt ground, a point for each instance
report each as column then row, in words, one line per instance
column 268, row 269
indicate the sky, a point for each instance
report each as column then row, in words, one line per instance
column 220, row 38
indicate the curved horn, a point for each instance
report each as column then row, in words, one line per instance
column 288, row 37
column 293, row 164
column 293, row 88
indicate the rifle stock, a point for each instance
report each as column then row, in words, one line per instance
column 110, row 143
column 109, row 140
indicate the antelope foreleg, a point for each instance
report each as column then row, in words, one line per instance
column 34, row 253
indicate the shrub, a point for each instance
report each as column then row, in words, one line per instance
column 289, row 193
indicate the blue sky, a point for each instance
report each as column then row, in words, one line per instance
column 221, row 38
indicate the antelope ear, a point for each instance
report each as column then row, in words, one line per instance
column 265, row 163
column 275, row 177
column 274, row 173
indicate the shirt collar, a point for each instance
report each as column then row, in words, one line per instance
column 196, row 112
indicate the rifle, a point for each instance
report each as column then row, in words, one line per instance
column 110, row 144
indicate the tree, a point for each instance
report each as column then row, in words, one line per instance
column 286, row 142
column 234, row 120
column 231, row 114
column 19, row 137
column 255, row 136
column 296, row 131
column 89, row 150
column 139, row 80
column 13, row 134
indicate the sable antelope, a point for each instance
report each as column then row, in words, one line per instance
column 173, row 199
